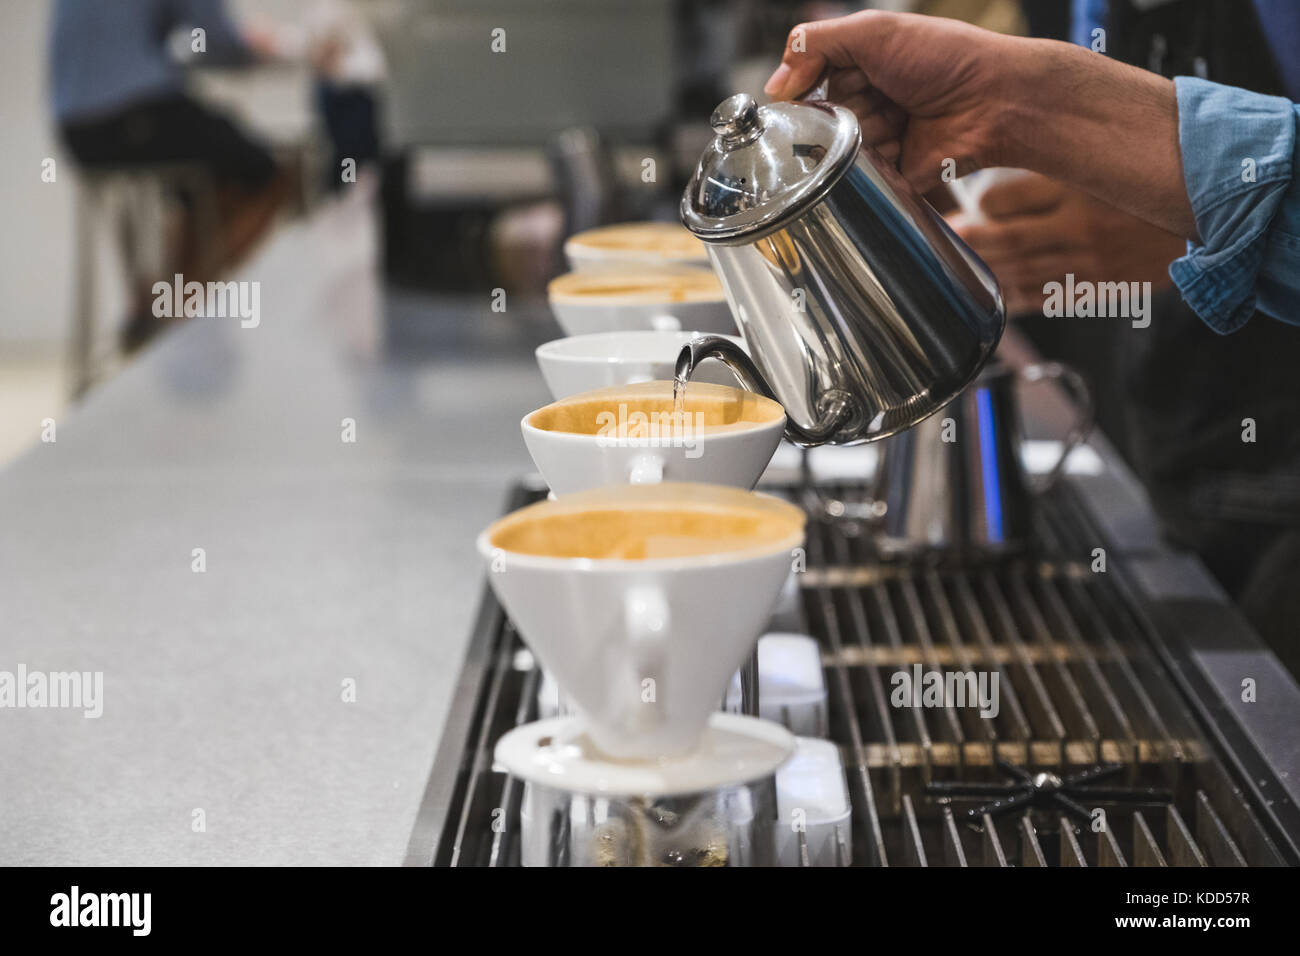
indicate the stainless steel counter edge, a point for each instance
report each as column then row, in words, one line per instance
column 1206, row 643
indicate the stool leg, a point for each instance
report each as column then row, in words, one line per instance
column 207, row 224
column 83, row 316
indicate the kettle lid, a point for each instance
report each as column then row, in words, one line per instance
column 766, row 165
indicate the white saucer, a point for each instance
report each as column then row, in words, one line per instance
column 558, row 753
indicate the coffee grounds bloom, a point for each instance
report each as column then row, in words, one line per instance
column 627, row 427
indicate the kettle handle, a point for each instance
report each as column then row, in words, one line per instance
column 835, row 407
column 820, row 91
column 1077, row 387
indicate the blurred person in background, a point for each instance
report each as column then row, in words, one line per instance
column 117, row 86
column 1169, row 153
column 350, row 69
column 1175, row 394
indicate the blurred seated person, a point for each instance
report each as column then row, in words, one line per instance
column 350, row 70
column 119, row 101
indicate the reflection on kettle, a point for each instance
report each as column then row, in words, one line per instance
column 955, row 484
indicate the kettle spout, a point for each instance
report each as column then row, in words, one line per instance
column 727, row 352
column 835, row 407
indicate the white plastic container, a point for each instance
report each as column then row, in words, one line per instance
column 791, row 686
column 814, row 822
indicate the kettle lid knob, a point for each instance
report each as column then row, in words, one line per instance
column 736, row 120
column 765, row 165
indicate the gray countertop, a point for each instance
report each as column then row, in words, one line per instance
column 325, row 562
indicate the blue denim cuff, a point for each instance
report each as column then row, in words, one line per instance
column 1277, row 273
column 1238, row 150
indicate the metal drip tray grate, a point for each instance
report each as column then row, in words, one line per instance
column 1086, row 711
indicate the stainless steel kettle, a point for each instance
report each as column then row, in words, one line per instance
column 863, row 312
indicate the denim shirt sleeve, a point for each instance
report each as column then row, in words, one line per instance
column 1239, row 164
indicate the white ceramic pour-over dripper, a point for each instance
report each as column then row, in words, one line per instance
column 587, row 318
column 582, row 363
column 643, row 246
column 666, row 300
column 726, row 455
column 645, row 648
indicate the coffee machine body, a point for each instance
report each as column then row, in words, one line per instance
column 955, row 484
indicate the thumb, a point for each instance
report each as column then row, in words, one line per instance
column 799, row 69
column 811, row 47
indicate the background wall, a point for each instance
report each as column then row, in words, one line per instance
column 36, row 243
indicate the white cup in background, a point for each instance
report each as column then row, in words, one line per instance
column 680, row 300
column 578, row 443
column 636, row 245
column 581, row 363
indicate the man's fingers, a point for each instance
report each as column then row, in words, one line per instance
column 1021, row 300
column 958, row 220
column 1022, row 278
column 1021, row 295
column 1037, row 271
column 844, row 83
column 922, row 168
column 889, row 150
column 1025, row 193
column 878, row 126
column 1011, row 238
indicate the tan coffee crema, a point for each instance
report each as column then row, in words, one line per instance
column 646, row 409
column 648, row 523
column 667, row 239
column 631, row 287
